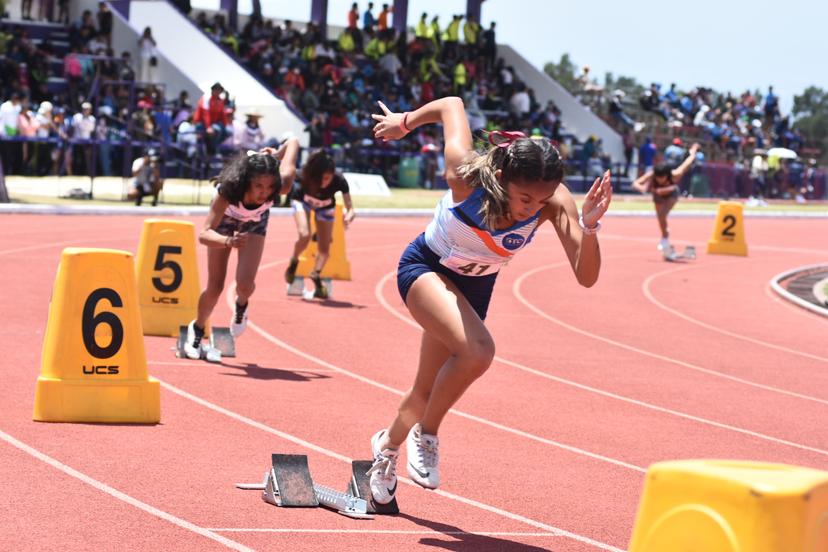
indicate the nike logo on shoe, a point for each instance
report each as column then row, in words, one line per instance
column 392, row 491
column 420, row 473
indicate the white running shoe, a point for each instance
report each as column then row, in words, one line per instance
column 192, row 346
column 663, row 244
column 383, row 472
column 423, row 458
column 210, row 354
column 238, row 323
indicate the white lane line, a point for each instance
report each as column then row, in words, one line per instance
column 645, row 288
column 197, row 363
column 184, row 524
column 619, row 344
column 545, row 375
column 91, row 239
column 381, row 532
column 341, row 457
column 774, row 248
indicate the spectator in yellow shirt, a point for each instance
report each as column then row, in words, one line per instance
column 421, row 31
column 471, row 32
column 452, row 36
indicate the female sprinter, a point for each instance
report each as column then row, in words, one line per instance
column 246, row 189
column 662, row 182
column 497, row 200
column 315, row 193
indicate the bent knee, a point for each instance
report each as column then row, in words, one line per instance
column 479, row 354
column 214, row 288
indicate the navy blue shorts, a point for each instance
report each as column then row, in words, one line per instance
column 327, row 214
column 418, row 259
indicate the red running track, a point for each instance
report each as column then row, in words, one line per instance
column 546, row 452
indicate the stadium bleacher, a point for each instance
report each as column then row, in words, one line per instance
column 334, row 81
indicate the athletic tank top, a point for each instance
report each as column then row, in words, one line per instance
column 460, row 237
column 243, row 213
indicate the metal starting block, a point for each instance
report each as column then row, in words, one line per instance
column 671, row 255
column 288, row 484
column 221, row 345
column 297, row 288
column 360, row 487
column 222, row 339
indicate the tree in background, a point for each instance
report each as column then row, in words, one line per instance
column 810, row 111
column 565, row 72
column 631, row 87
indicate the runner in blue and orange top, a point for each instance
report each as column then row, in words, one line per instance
column 497, row 200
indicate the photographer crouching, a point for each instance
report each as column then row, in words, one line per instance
column 146, row 170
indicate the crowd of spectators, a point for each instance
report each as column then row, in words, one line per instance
column 71, row 106
column 69, row 100
column 47, row 91
column 733, row 125
column 747, row 132
column 335, row 83
column 80, row 106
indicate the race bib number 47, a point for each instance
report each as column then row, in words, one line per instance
column 469, row 267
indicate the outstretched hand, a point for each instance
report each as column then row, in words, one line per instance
column 694, row 149
column 278, row 153
column 597, row 200
column 348, row 218
column 389, row 124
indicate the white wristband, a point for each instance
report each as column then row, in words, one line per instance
column 589, row 231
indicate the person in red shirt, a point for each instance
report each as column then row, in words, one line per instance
column 295, row 78
column 211, row 117
column 353, row 22
column 353, row 16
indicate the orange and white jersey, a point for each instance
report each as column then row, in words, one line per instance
column 460, row 237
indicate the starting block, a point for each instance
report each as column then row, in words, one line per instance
column 222, row 339
column 288, row 484
column 221, row 345
column 671, row 255
column 360, row 487
column 297, row 288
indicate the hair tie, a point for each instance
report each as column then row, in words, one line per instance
column 507, row 137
